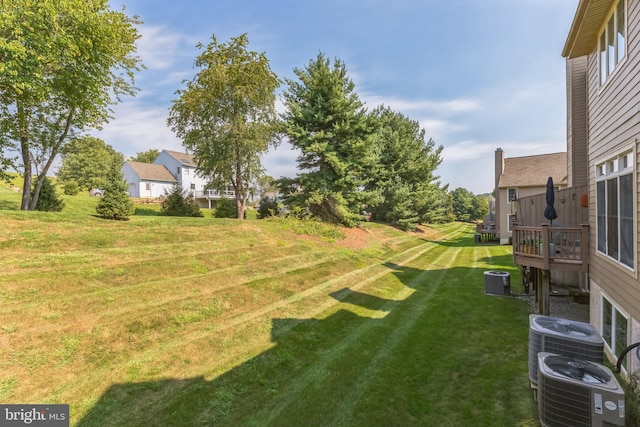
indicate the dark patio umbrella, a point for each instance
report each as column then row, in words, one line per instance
column 550, row 212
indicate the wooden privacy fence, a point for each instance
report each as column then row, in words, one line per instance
column 571, row 205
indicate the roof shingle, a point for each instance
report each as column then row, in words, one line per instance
column 533, row 171
column 152, row 172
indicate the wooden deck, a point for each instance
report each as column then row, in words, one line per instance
column 552, row 248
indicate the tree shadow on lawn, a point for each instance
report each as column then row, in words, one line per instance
column 313, row 372
column 6, row 205
column 146, row 212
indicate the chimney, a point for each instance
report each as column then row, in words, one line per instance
column 499, row 166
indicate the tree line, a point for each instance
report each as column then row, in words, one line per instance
column 65, row 63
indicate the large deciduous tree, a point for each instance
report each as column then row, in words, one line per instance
column 86, row 161
column 467, row 206
column 327, row 122
column 148, row 156
column 63, row 63
column 226, row 115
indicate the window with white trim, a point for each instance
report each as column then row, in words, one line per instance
column 612, row 40
column 615, row 224
column 614, row 327
column 510, row 219
column 512, row 194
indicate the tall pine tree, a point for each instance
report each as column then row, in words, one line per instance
column 404, row 175
column 327, row 122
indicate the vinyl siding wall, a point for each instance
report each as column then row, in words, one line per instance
column 614, row 126
column 577, row 123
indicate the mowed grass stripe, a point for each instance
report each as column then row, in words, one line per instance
column 200, row 335
column 291, row 400
column 316, row 300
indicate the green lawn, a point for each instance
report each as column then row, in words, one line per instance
column 200, row 321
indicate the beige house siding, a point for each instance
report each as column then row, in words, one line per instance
column 527, row 177
column 614, row 126
column 577, row 122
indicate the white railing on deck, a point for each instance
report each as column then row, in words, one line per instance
column 215, row 194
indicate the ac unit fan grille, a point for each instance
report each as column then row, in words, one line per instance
column 562, row 404
column 562, row 346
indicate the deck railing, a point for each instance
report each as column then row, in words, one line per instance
column 215, row 194
column 548, row 247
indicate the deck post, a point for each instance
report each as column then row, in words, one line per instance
column 545, row 246
column 584, row 246
column 545, row 286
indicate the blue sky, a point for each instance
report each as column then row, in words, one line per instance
column 477, row 75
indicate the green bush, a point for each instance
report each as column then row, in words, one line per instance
column 226, row 209
column 178, row 202
column 269, row 206
column 71, row 188
column 48, row 200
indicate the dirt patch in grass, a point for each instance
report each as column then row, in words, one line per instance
column 361, row 237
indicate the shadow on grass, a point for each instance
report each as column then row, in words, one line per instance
column 7, row 205
column 354, row 368
column 146, row 212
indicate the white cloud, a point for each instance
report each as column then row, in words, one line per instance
column 158, row 46
column 405, row 106
column 138, row 127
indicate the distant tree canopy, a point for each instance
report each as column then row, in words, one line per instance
column 86, row 161
column 64, row 64
column 467, row 206
column 148, row 156
column 226, row 115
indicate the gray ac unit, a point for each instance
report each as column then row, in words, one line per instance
column 497, row 282
column 564, row 337
column 577, row 393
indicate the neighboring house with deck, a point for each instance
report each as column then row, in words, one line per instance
column 170, row 167
column 602, row 50
column 518, row 177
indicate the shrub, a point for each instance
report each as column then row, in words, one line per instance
column 71, row 188
column 178, row 202
column 48, row 200
column 269, row 206
column 226, row 209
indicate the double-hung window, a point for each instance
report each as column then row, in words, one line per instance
column 615, row 209
column 614, row 327
column 612, row 41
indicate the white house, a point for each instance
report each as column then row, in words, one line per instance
column 183, row 167
column 147, row 180
column 170, row 167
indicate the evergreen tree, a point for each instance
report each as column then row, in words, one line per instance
column 115, row 203
column 327, row 122
column 48, row 200
column 404, row 174
column 179, row 202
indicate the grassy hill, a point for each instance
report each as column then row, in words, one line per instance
column 204, row 321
